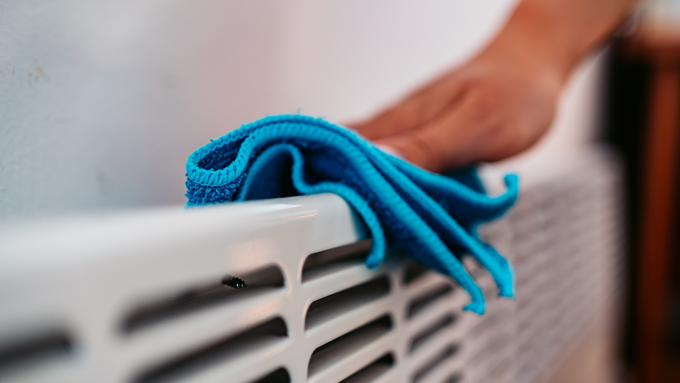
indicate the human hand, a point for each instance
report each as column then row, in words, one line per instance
column 504, row 99
column 495, row 106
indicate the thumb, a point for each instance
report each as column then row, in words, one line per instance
column 416, row 148
column 449, row 142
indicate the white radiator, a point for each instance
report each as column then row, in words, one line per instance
column 138, row 298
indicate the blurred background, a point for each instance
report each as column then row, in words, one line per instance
column 101, row 103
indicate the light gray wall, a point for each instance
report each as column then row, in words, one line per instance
column 101, row 102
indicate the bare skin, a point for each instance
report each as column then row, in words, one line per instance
column 503, row 100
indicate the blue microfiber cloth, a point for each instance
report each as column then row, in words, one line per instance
column 428, row 216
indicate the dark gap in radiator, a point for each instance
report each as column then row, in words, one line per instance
column 434, row 363
column 198, row 298
column 346, row 300
column 413, row 271
column 455, row 378
column 425, row 335
column 332, row 260
column 373, row 371
column 347, row 344
column 420, row 303
column 279, row 376
column 34, row 349
column 220, row 352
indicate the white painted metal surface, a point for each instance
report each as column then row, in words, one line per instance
column 137, row 298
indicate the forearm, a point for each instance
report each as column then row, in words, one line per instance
column 557, row 33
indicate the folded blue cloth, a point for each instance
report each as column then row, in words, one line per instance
column 428, row 216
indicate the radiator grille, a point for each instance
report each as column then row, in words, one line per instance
column 139, row 299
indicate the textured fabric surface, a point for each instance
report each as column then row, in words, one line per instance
column 430, row 218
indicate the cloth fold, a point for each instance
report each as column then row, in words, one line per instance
column 431, row 218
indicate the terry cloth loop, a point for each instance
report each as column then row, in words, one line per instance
column 428, row 216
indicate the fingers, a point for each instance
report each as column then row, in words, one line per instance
column 465, row 134
column 413, row 112
column 397, row 119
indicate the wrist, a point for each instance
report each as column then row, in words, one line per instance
column 556, row 35
column 534, row 40
column 527, row 60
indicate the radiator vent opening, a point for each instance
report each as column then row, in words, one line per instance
column 427, row 334
column 413, row 271
column 455, row 378
column 255, row 339
column 371, row 372
column 340, row 348
column 198, row 298
column 333, row 260
column 345, row 301
column 278, row 376
column 421, row 303
column 34, row 351
column 434, row 363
